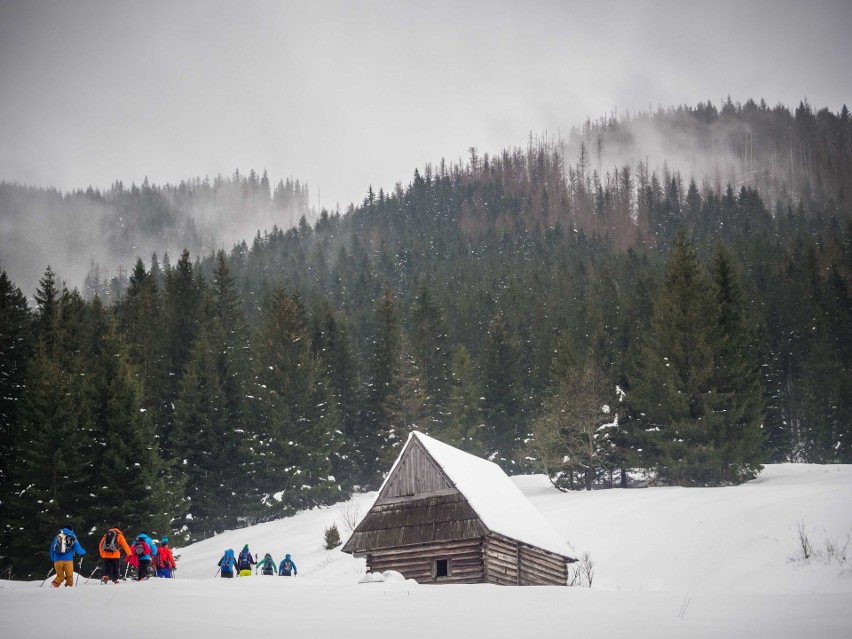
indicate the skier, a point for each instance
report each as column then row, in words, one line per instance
column 62, row 550
column 110, row 547
column 245, row 562
column 286, row 567
column 227, row 564
column 143, row 550
column 165, row 559
column 266, row 565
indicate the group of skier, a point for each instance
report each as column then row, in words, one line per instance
column 230, row 564
column 142, row 553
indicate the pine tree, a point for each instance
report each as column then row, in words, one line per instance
column 140, row 320
column 44, row 482
column 127, row 481
column 334, row 350
column 431, row 350
column 183, row 302
column 671, row 390
column 230, row 345
column 504, row 430
column 298, row 422
column 737, row 410
column 386, row 358
column 206, row 444
column 465, row 422
column 48, row 297
column 15, row 352
column 403, row 408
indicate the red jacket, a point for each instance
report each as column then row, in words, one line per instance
column 165, row 557
column 133, row 558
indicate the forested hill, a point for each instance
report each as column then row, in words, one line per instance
column 92, row 237
column 542, row 307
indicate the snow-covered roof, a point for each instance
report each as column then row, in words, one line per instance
column 494, row 497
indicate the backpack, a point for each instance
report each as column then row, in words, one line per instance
column 63, row 543
column 139, row 548
column 286, row 567
column 111, row 541
column 267, row 566
column 245, row 560
column 226, row 562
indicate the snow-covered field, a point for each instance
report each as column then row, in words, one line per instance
column 669, row 563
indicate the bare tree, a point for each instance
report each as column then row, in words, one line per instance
column 350, row 515
column 571, row 436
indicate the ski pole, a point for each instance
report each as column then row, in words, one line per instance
column 46, row 578
column 216, row 575
column 79, row 568
column 91, row 575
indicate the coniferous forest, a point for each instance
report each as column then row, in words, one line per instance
column 604, row 323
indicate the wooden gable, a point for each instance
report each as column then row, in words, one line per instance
column 416, row 475
column 417, row 504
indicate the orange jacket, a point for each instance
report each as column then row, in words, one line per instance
column 114, row 554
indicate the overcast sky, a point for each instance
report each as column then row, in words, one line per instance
column 345, row 94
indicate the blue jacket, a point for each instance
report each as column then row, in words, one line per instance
column 228, row 562
column 292, row 566
column 150, row 543
column 68, row 555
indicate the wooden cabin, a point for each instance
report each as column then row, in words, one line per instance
column 445, row 516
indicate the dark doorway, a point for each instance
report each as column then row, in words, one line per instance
column 442, row 568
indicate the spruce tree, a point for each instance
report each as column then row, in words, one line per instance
column 464, row 428
column 431, row 350
column 129, row 484
column 672, row 391
column 404, row 408
column 16, row 346
column 183, row 302
column 206, row 444
column 504, row 429
column 386, row 359
column 298, row 421
column 737, row 409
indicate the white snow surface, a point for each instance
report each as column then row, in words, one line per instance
column 670, row 563
column 497, row 500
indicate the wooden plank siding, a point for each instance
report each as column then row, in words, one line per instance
column 415, row 474
column 414, row 522
column 508, row 562
column 418, row 562
column 501, row 561
column 420, row 518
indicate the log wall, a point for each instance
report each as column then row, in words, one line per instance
column 508, row 562
column 417, row 562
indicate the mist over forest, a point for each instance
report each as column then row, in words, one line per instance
column 667, row 293
column 90, row 236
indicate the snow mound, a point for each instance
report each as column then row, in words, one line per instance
column 391, row 576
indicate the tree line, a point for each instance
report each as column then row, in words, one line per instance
column 589, row 328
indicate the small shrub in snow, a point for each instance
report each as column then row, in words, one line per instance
column 832, row 550
column 805, row 549
column 582, row 573
column 332, row 537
